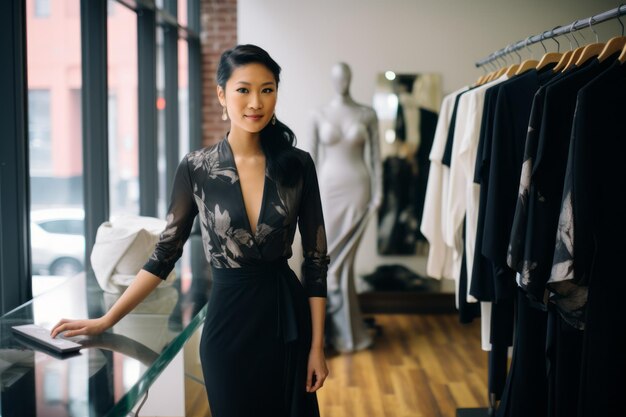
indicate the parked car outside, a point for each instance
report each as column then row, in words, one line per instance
column 57, row 241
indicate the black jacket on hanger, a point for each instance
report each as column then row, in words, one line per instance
column 564, row 346
column 598, row 184
column 520, row 398
column 507, row 153
column 548, row 173
column 515, row 255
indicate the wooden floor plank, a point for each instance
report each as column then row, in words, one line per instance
column 420, row 366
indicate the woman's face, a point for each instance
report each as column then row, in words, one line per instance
column 250, row 98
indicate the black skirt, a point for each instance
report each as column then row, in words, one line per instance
column 255, row 343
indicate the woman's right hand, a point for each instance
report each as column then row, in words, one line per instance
column 89, row 327
column 143, row 284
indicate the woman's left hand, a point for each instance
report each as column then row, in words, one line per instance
column 317, row 369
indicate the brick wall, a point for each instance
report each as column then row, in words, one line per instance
column 219, row 32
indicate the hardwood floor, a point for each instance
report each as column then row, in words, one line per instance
column 421, row 365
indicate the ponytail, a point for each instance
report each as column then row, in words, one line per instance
column 278, row 142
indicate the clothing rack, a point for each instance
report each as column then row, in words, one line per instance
column 558, row 31
column 549, row 34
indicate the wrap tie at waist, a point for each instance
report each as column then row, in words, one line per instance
column 280, row 273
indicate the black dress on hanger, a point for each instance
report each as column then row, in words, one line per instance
column 596, row 184
column 483, row 285
column 546, row 186
column 525, row 391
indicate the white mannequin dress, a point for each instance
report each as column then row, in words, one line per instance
column 345, row 142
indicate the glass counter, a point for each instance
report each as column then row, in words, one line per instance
column 113, row 371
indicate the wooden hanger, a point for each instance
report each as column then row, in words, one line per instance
column 510, row 71
column 622, row 56
column 577, row 52
column 614, row 45
column 526, row 65
column 499, row 74
column 590, row 51
column 482, row 79
column 549, row 58
column 563, row 61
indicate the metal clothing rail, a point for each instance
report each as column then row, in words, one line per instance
column 558, row 31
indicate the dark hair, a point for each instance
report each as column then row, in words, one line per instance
column 277, row 140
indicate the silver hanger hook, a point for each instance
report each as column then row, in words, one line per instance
column 499, row 56
column 620, row 20
column 569, row 40
column 490, row 61
column 582, row 35
column 502, row 55
column 571, row 30
column 545, row 51
column 526, row 46
column 495, row 62
column 558, row 45
column 487, row 62
column 519, row 57
column 503, row 58
column 511, row 52
column 594, row 32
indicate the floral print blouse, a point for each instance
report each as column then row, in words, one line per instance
column 207, row 184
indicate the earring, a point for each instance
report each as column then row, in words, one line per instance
column 224, row 114
column 274, row 120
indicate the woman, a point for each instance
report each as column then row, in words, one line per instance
column 262, row 342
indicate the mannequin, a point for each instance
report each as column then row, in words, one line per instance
column 345, row 149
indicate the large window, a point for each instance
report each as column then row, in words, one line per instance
column 161, row 104
column 59, row 55
column 123, row 113
column 40, row 141
column 55, row 141
column 183, row 94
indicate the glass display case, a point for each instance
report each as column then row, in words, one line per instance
column 112, row 372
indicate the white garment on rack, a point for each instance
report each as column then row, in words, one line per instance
column 439, row 264
column 463, row 193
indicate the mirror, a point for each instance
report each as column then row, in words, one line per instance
column 407, row 106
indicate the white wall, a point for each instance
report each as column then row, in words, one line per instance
column 307, row 37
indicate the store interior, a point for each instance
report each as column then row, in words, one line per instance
column 467, row 155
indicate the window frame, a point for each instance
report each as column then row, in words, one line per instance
column 15, row 252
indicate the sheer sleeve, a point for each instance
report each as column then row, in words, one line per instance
column 311, row 226
column 181, row 214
